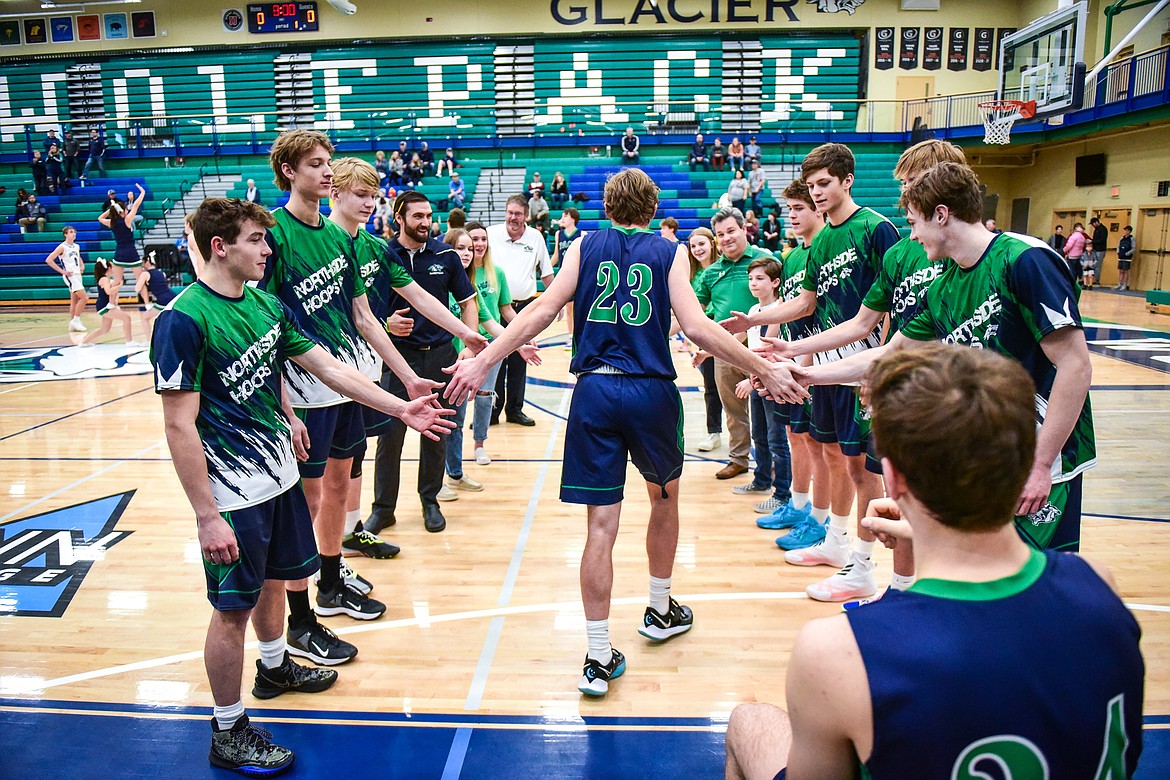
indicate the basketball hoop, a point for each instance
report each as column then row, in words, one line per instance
column 1000, row 115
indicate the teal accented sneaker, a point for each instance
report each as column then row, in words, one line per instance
column 249, row 750
column 806, row 533
column 786, row 516
column 595, row 677
column 677, row 620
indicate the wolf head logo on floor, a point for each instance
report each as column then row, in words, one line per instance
column 45, row 363
column 833, row 6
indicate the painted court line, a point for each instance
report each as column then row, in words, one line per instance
column 80, row 411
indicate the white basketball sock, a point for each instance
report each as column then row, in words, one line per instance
column 598, row 633
column 660, row 594
column 272, row 653
column 226, row 717
column 352, row 518
column 799, row 500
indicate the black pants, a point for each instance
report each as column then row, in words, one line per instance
column 427, row 363
column 512, row 379
column 711, row 397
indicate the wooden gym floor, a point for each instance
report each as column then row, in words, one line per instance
column 472, row 672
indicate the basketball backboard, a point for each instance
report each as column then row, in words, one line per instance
column 1045, row 62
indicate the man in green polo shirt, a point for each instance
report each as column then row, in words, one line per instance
column 724, row 287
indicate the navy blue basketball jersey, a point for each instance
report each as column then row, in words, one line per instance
column 622, row 304
column 1036, row 675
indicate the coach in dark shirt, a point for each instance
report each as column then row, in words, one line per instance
column 426, row 347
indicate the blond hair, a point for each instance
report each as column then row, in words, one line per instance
column 291, row 147
column 485, row 262
column 924, row 155
column 350, row 173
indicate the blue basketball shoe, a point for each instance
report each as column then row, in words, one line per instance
column 806, row 533
column 785, row 517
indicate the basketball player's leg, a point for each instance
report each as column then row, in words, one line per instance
column 759, row 736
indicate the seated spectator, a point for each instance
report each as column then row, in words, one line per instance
column 538, row 215
column 396, row 167
column 54, row 170
column 559, row 193
column 414, row 171
column 32, row 214
column 39, row 173
column 130, row 196
column 735, row 153
column 381, row 213
column 252, row 193
column 449, row 162
column 404, row 152
column 456, row 191
column 752, row 153
column 668, row 229
column 111, row 197
column 456, row 219
column 630, row 144
column 382, row 166
column 21, row 199
column 751, row 226
column 71, row 148
column 699, row 154
column 536, row 185
column 771, row 232
column 718, row 155
column 737, row 190
column 427, row 158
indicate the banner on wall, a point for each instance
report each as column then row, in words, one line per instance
column 35, row 31
column 884, row 51
column 908, row 55
column 984, row 36
column 1000, row 34
column 957, row 51
column 932, row 45
column 9, row 32
column 89, row 28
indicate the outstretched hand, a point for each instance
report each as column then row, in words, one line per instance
column 467, row 376
column 399, row 324
column 774, row 349
column 782, row 385
column 738, row 322
column 421, row 386
column 476, row 343
column 531, row 354
column 424, row 415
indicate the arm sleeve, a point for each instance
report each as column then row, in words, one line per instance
column 398, row 276
column 1043, row 286
column 921, row 328
column 177, row 352
column 885, row 235
column 293, row 340
column 811, row 269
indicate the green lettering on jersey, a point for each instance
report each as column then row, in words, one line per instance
column 604, row 308
column 639, row 278
column 640, row 314
column 1015, row 758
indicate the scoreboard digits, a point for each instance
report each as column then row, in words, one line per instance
column 282, row 17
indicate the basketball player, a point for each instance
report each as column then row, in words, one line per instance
column 66, row 260
column 1014, row 295
column 311, row 269
column 843, row 264
column 1001, row 660
column 120, row 222
column 217, row 356
column 624, row 282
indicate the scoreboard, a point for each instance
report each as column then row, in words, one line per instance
column 282, row 17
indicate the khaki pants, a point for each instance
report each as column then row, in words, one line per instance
column 735, row 409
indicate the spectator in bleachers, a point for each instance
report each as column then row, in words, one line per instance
column 54, row 170
column 771, row 232
column 559, row 192
column 668, row 229
column 457, row 218
column 381, row 213
column 538, row 215
column 427, row 158
column 735, row 153
column 97, row 154
column 71, row 149
column 630, row 145
column 699, row 154
column 130, row 196
column 21, row 199
column 457, row 190
column 252, row 194
column 39, row 173
column 414, row 171
column 737, row 190
column 449, row 162
column 757, row 179
column 753, row 153
column 50, row 139
column 536, row 184
column 111, row 198
column 718, row 155
column 397, row 168
column 751, row 225
column 382, row 166
column 404, row 152
column 32, row 214
column 66, row 260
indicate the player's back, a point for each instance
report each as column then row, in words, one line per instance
column 622, row 303
column 1037, row 671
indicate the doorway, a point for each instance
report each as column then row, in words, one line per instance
column 1115, row 220
column 1152, row 251
column 913, row 94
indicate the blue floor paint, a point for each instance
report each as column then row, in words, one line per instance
column 145, row 742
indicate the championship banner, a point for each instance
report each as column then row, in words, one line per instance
column 984, row 38
column 932, row 48
column 1001, row 33
column 957, row 51
column 884, row 52
column 908, row 57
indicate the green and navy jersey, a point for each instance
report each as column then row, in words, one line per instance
column 231, row 351
column 843, row 264
column 795, row 265
column 903, row 277
column 492, row 296
column 622, row 304
column 380, row 274
column 1017, row 293
column 312, row 270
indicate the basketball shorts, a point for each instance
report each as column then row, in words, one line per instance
column 1057, row 524
column 334, row 432
column 376, row 422
column 74, row 283
column 795, row 416
column 839, row 418
column 276, row 542
column 126, row 257
column 614, row 417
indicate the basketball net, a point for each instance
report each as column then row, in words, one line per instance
column 1000, row 115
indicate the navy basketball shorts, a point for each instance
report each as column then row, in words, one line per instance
column 615, row 416
column 1057, row 524
column 337, row 432
column 795, row 416
column 276, row 542
column 377, row 423
column 838, row 418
